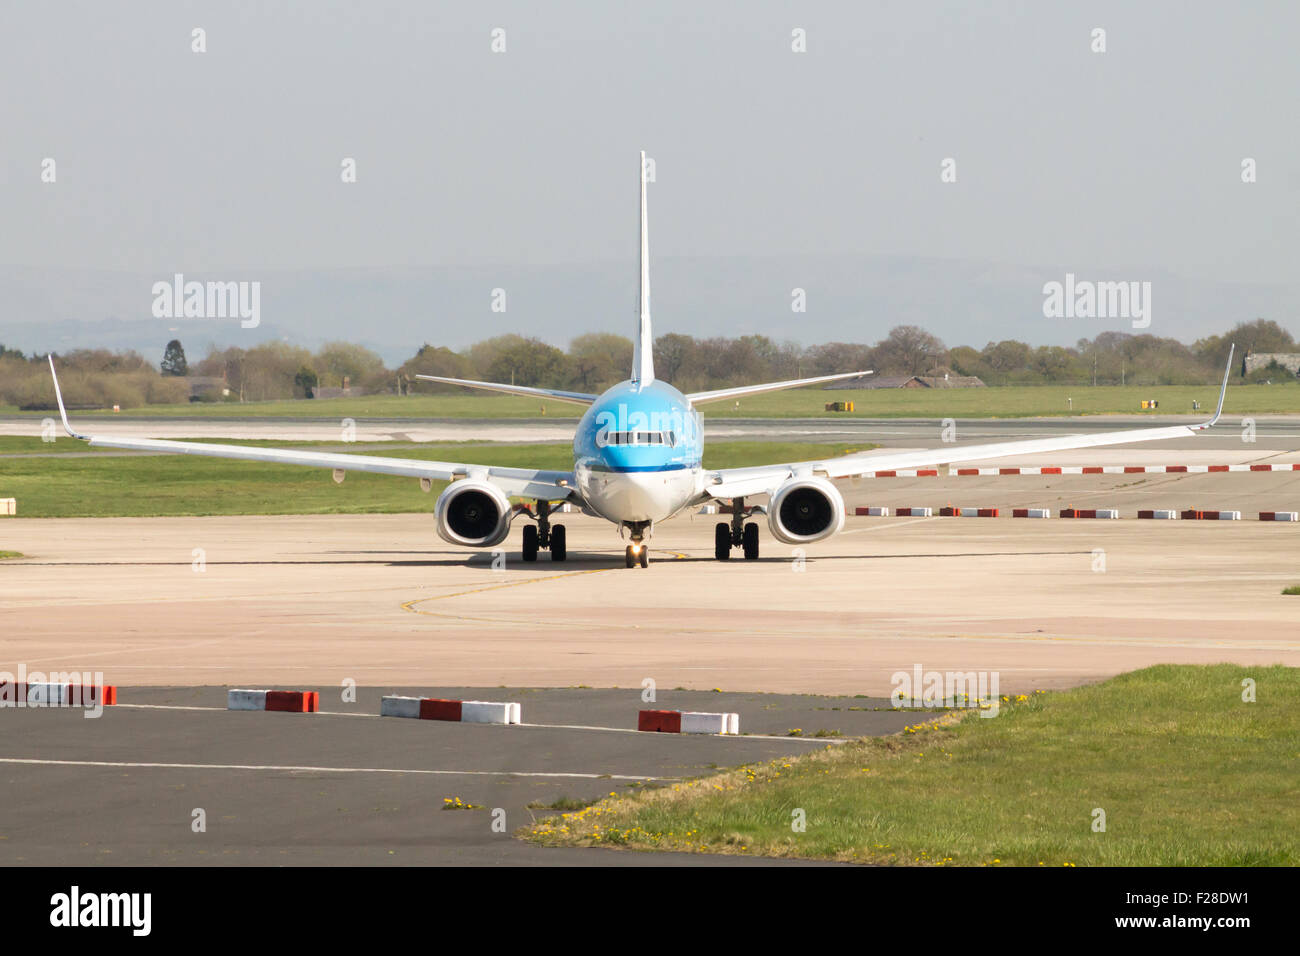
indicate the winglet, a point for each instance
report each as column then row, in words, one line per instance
column 1223, row 393
column 63, row 413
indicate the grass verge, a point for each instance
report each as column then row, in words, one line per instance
column 10, row 554
column 1007, row 401
column 172, row 485
column 1186, row 772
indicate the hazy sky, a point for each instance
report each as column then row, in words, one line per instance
column 168, row 160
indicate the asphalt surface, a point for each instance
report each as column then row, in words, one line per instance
column 377, row 596
column 350, row 788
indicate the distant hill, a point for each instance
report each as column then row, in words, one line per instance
column 393, row 311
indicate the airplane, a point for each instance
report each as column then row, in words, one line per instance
column 637, row 461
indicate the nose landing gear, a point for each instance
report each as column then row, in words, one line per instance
column 638, row 552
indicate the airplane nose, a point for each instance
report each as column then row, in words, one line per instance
column 635, row 496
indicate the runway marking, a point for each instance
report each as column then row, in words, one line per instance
column 410, row 605
column 281, row 768
column 630, row 730
column 885, row 527
column 131, row 650
column 182, row 707
column 613, row 730
column 1092, row 640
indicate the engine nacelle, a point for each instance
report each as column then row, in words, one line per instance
column 805, row 510
column 473, row 513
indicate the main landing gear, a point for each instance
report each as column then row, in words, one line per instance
column 542, row 536
column 737, row 534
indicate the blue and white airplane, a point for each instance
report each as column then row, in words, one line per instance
column 637, row 462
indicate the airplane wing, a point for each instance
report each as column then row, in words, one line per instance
column 577, row 398
column 764, row 479
column 719, row 394
column 521, row 482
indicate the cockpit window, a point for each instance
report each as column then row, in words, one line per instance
column 641, row 438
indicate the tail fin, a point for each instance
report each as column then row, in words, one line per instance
column 643, row 359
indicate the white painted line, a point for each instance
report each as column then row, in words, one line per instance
column 237, row 766
column 321, row 713
column 610, row 730
column 170, row 707
column 885, row 527
column 641, row 733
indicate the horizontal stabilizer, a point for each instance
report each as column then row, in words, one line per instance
column 717, row 395
column 577, row 398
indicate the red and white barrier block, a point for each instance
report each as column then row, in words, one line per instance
column 1211, row 515
column 286, row 701
column 1279, row 516
column 464, row 711
column 55, row 694
column 687, row 722
column 1031, row 512
column 904, row 473
column 872, row 512
column 1089, row 513
column 913, row 512
column 1159, row 515
column 977, row 512
column 8, row 506
column 1111, row 470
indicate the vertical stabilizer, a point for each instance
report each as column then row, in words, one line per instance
column 643, row 360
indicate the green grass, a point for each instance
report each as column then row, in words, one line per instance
column 166, row 485
column 26, row 445
column 1011, row 401
column 10, row 554
column 22, row 445
column 456, row 803
column 560, row 803
column 1187, row 773
column 1293, row 589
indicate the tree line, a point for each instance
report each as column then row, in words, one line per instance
column 594, row 361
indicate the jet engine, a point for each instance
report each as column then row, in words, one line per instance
column 804, row 510
column 473, row 513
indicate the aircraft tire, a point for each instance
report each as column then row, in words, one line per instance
column 722, row 541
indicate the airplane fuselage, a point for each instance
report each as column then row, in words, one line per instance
column 637, row 460
column 637, row 452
